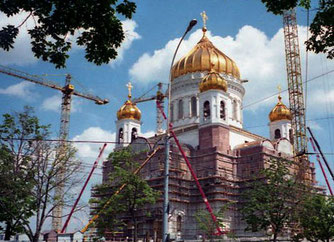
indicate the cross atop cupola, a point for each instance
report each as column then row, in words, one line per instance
column 129, row 86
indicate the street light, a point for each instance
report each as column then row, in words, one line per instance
column 165, row 232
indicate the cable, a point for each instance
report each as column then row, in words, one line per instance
column 77, row 141
column 306, row 61
column 275, row 94
column 263, row 125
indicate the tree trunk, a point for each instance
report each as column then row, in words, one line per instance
column 8, row 231
column 275, row 237
column 135, row 231
column 36, row 237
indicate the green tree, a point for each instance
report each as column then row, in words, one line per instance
column 271, row 200
column 94, row 25
column 134, row 196
column 29, row 168
column 321, row 28
column 207, row 225
column 317, row 218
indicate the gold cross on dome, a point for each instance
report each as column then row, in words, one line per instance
column 129, row 88
column 279, row 89
column 204, row 18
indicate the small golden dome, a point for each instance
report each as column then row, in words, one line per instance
column 129, row 110
column 213, row 80
column 280, row 112
column 201, row 57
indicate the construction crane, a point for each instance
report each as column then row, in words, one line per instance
column 68, row 91
column 159, row 97
column 295, row 84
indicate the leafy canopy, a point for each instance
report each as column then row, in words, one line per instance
column 17, row 169
column 270, row 200
column 94, row 25
column 317, row 218
column 135, row 194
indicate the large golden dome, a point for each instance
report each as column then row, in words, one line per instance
column 280, row 112
column 129, row 110
column 201, row 57
column 213, row 81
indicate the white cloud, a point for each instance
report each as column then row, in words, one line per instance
column 129, row 27
column 261, row 60
column 22, row 90
column 314, row 125
column 130, row 35
column 53, row 103
column 90, row 150
column 21, row 54
column 148, row 134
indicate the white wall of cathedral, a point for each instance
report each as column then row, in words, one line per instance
column 214, row 107
column 186, row 88
column 126, row 129
column 238, row 138
column 280, row 129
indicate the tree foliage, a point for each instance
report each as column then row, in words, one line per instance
column 207, row 225
column 135, row 194
column 317, row 218
column 94, row 25
column 321, row 28
column 29, row 169
column 271, row 200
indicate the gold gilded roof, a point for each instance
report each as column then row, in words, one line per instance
column 201, row 57
column 280, row 112
column 129, row 110
column 213, row 81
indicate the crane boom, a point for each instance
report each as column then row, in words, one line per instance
column 68, row 91
column 158, row 97
column 47, row 83
column 295, row 84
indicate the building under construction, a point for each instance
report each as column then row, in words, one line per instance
column 206, row 111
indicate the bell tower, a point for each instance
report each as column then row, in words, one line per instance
column 280, row 121
column 128, row 123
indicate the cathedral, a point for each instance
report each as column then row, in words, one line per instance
column 206, row 111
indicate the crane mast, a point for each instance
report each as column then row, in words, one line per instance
column 295, row 84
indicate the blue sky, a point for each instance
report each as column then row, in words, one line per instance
column 241, row 29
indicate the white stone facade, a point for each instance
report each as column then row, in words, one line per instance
column 280, row 129
column 126, row 129
column 186, row 87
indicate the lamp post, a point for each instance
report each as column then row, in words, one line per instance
column 165, row 232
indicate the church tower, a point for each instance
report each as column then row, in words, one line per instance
column 214, row 115
column 280, row 121
column 128, row 122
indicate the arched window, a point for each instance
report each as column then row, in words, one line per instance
column 133, row 134
column 235, row 109
column 277, row 134
column 206, row 110
column 193, row 103
column 120, row 135
column 171, row 112
column 180, row 106
column 222, row 110
column 179, row 223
